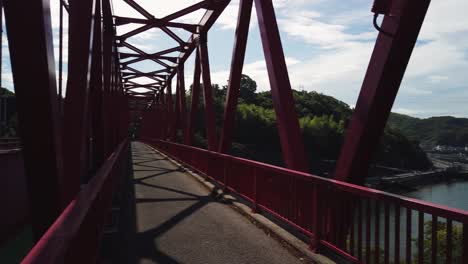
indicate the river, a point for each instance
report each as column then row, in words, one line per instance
column 453, row 194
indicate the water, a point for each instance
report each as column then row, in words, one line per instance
column 452, row 194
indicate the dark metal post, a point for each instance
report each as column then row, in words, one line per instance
column 163, row 115
column 387, row 66
column 30, row 40
column 176, row 120
column 96, row 113
column 170, row 112
column 237, row 63
column 1, row 57
column 288, row 124
column 210, row 122
column 182, row 104
column 195, row 98
column 108, row 35
column 60, row 55
column 76, row 103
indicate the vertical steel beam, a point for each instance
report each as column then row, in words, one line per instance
column 33, row 68
column 1, row 57
column 115, row 97
column 386, row 69
column 163, row 115
column 170, row 108
column 76, row 102
column 108, row 36
column 156, row 116
column 182, row 104
column 176, row 120
column 60, row 63
column 237, row 63
column 288, row 124
column 210, row 122
column 96, row 113
column 195, row 98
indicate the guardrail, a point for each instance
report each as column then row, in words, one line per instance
column 9, row 143
column 13, row 195
column 74, row 236
column 362, row 225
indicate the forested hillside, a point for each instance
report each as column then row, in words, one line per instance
column 442, row 130
column 323, row 120
column 6, row 93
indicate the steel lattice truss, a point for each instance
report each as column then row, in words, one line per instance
column 74, row 148
column 141, row 95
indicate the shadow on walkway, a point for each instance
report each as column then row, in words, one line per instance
column 133, row 246
column 168, row 217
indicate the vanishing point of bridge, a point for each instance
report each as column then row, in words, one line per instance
column 90, row 195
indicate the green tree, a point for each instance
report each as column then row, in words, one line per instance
column 457, row 242
column 247, row 90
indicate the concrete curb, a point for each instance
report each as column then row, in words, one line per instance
column 292, row 243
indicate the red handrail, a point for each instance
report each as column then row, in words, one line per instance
column 72, row 238
column 321, row 207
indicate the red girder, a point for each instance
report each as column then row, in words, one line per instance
column 119, row 21
column 237, row 63
column 102, row 98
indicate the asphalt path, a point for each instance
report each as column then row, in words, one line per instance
column 174, row 219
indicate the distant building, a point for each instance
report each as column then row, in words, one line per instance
column 445, row 148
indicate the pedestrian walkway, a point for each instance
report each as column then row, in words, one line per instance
column 176, row 220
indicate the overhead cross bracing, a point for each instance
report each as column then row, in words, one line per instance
column 76, row 150
column 143, row 87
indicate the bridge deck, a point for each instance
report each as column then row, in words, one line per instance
column 175, row 220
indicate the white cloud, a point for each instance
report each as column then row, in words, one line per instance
column 438, row 78
column 309, row 27
column 336, row 39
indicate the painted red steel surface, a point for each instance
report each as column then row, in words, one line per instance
column 385, row 72
column 288, row 125
column 207, row 93
column 309, row 202
column 82, row 16
column 237, row 63
column 74, row 236
column 102, row 99
column 13, row 194
column 37, row 108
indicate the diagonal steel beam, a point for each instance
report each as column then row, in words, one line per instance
column 173, row 36
column 33, row 65
column 237, row 63
column 139, row 9
column 76, row 104
column 119, row 21
column 188, row 10
column 287, row 122
column 139, row 51
column 386, row 69
column 210, row 121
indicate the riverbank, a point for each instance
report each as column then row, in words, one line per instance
column 412, row 181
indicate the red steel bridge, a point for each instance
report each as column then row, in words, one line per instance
column 75, row 148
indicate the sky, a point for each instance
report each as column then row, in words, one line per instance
column 327, row 43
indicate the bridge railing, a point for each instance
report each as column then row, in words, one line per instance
column 13, row 195
column 360, row 224
column 9, row 143
column 74, row 237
